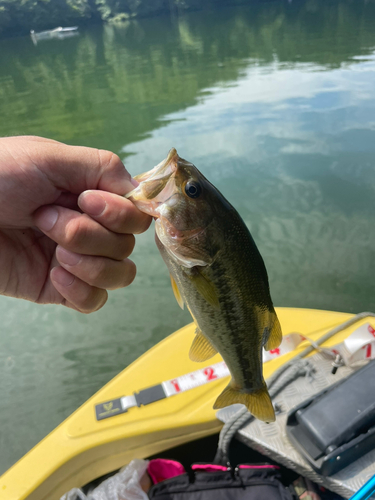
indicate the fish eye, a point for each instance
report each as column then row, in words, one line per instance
column 193, row 189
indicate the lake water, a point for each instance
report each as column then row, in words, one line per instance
column 275, row 103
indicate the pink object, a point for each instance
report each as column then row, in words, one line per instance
column 161, row 469
column 258, row 467
column 208, row 467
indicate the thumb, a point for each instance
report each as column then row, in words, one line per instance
column 77, row 168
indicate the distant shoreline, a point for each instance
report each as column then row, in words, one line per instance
column 19, row 17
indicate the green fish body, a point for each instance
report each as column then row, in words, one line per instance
column 218, row 272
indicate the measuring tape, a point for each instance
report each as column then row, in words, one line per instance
column 359, row 346
column 161, row 391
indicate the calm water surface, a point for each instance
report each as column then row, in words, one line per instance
column 274, row 103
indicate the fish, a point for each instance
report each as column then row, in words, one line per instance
column 217, row 272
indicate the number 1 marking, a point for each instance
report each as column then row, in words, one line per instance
column 174, row 382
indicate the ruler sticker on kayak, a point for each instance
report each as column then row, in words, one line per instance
column 195, row 379
column 161, row 391
column 359, row 346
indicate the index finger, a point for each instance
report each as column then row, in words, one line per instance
column 114, row 212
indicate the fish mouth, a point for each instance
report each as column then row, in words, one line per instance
column 161, row 169
column 153, row 182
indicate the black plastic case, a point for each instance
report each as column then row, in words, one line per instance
column 336, row 426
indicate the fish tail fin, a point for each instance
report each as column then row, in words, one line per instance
column 258, row 402
column 275, row 335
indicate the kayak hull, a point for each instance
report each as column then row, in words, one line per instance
column 83, row 448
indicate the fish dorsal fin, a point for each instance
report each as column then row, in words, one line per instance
column 275, row 336
column 201, row 349
column 205, row 287
column 176, row 291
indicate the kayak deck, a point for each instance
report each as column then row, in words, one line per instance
column 273, row 442
column 83, row 448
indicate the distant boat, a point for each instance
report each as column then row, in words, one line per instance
column 59, row 32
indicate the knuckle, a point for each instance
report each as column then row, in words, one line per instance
column 75, row 233
column 121, row 218
column 97, row 272
column 110, row 161
column 125, row 218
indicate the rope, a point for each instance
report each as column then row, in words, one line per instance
column 295, row 368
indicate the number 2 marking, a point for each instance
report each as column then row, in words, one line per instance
column 210, row 373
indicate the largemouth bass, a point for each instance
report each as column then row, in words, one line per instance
column 218, row 272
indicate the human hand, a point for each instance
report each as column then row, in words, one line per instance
column 65, row 233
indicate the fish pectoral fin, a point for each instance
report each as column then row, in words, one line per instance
column 275, row 335
column 201, row 349
column 176, row 291
column 205, row 288
column 258, row 403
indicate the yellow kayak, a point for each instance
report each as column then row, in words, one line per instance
column 101, row 437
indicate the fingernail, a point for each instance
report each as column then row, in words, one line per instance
column 92, row 203
column 47, row 219
column 130, row 179
column 129, row 185
column 62, row 277
column 67, row 257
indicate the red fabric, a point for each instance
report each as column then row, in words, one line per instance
column 258, row 467
column 161, row 469
column 208, row 467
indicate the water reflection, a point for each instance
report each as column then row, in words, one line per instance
column 126, row 78
column 294, row 150
column 273, row 102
